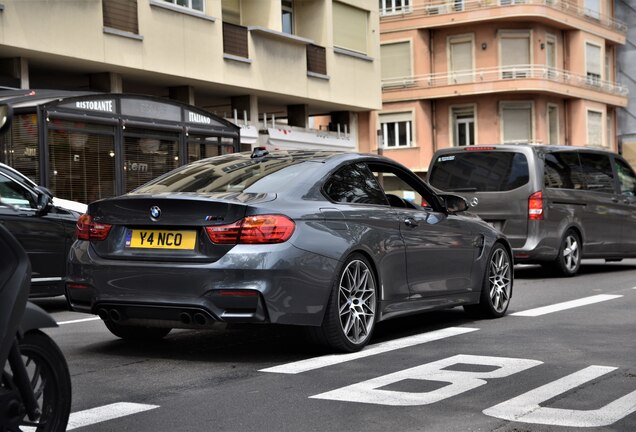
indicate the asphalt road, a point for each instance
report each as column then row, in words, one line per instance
column 563, row 359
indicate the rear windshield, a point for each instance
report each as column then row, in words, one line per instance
column 233, row 173
column 479, row 171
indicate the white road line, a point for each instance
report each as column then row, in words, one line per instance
column 78, row 320
column 107, row 412
column 566, row 305
column 329, row 360
column 100, row 414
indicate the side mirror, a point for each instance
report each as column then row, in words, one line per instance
column 6, row 115
column 454, row 203
column 45, row 200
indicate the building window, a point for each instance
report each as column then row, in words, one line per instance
column 463, row 126
column 593, row 8
column 148, row 156
column 121, row 15
column 516, row 118
column 350, row 27
column 610, row 130
column 551, row 56
column 231, row 10
column 515, row 54
column 593, row 63
column 460, row 59
column 396, row 129
column 594, row 128
column 553, row 124
column 190, row 4
column 389, row 7
column 396, row 60
column 287, row 16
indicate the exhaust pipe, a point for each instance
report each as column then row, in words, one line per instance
column 103, row 314
column 185, row 318
column 200, row 319
column 114, row 315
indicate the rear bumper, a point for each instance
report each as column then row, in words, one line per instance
column 251, row 283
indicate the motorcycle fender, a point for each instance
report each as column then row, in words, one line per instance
column 35, row 318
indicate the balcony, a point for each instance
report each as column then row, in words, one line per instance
column 558, row 13
column 504, row 79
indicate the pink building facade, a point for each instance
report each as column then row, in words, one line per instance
column 458, row 73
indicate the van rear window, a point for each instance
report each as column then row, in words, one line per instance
column 483, row 171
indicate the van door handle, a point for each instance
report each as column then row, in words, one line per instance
column 410, row 222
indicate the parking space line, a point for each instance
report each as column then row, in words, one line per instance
column 107, row 412
column 78, row 320
column 333, row 359
column 101, row 414
column 566, row 305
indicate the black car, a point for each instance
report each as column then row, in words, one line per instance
column 45, row 229
column 333, row 241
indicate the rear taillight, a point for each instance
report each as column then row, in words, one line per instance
column 535, row 206
column 87, row 229
column 260, row 229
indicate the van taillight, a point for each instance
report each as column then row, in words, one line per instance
column 259, row 229
column 535, row 206
column 87, row 229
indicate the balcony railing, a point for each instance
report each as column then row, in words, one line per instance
column 502, row 74
column 436, row 7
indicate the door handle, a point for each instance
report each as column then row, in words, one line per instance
column 410, row 222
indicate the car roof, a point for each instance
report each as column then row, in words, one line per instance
column 537, row 148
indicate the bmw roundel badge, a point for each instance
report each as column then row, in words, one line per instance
column 155, row 212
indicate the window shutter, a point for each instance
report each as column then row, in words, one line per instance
column 515, row 50
column 396, row 60
column 517, row 124
column 349, row 27
column 396, row 117
column 231, row 10
column 593, row 59
column 121, row 15
column 594, row 128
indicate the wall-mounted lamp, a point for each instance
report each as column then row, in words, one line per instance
column 484, row 45
column 542, row 45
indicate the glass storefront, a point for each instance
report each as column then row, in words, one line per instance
column 94, row 146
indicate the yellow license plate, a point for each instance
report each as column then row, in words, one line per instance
column 161, row 239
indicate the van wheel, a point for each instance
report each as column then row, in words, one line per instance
column 568, row 261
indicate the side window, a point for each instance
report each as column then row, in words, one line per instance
column 626, row 178
column 355, row 184
column 401, row 190
column 562, row 170
column 14, row 194
column 597, row 172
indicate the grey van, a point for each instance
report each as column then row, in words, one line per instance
column 556, row 204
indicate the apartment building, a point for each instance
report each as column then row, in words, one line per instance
column 289, row 73
column 466, row 72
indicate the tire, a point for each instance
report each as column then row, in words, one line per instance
column 136, row 333
column 351, row 311
column 496, row 289
column 50, row 380
column 568, row 261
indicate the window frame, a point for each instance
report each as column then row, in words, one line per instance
column 393, row 10
column 410, row 50
column 458, row 39
column 188, row 7
column 454, row 111
column 515, row 72
column 410, row 131
column 588, row 111
column 591, row 77
column 558, row 124
column 520, row 103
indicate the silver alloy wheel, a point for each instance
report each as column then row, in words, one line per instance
column 356, row 302
column 500, row 280
column 571, row 253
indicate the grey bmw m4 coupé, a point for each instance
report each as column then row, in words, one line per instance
column 332, row 241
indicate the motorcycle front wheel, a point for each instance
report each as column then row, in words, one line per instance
column 50, row 380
